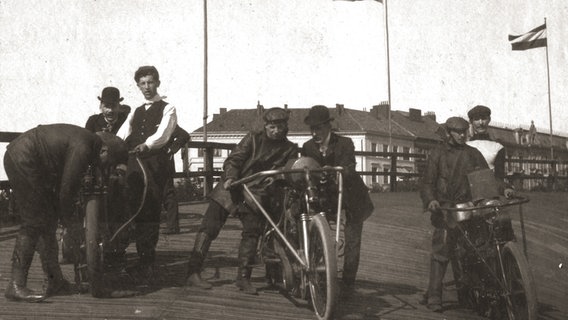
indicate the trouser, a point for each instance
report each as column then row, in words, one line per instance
column 443, row 243
column 213, row 220
column 36, row 199
column 253, row 225
column 352, row 251
column 147, row 223
column 171, row 206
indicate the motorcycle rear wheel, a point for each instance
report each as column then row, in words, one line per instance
column 520, row 283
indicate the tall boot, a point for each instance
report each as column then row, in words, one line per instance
column 247, row 252
column 437, row 272
column 200, row 250
column 21, row 261
column 54, row 281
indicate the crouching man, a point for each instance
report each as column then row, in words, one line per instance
column 45, row 166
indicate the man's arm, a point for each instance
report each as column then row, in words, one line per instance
column 428, row 190
column 165, row 129
column 76, row 162
column 126, row 128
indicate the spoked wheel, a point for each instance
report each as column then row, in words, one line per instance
column 322, row 271
column 522, row 302
column 285, row 267
column 93, row 247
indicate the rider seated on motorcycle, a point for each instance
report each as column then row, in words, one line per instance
column 257, row 151
column 445, row 183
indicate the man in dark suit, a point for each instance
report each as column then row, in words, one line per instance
column 111, row 117
column 330, row 149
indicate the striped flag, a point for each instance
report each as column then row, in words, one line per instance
column 533, row 39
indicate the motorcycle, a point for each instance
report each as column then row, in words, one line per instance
column 491, row 272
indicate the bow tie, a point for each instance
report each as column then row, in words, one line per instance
column 147, row 103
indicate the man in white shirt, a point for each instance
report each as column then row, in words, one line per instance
column 146, row 131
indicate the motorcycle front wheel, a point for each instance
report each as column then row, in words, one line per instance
column 93, row 247
column 519, row 283
column 322, row 273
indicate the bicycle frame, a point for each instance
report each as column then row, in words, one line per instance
column 305, row 217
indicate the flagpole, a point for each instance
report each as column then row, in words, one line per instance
column 205, row 62
column 549, row 101
column 388, row 71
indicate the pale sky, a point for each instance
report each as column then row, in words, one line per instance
column 446, row 56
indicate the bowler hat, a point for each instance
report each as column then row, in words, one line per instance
column 456, row 123
column 479, row 112
column 318, row 114
column 275, row 115
column 110, row 95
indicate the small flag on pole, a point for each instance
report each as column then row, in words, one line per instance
column 533, row 39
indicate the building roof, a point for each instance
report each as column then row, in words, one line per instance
column 345, row 120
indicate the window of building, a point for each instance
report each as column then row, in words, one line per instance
column 385, row 148
column 406, row 150
column 373, row 147
column 395, row 150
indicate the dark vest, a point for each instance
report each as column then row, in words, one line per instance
column 145, row 123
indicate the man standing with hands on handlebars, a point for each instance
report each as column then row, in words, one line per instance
column 330, row 149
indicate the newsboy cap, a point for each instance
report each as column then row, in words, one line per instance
column 456, row 123
column 275, row 115
column 479, row 112
column 110, row 95
column 318, row 114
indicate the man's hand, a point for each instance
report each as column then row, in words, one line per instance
column 509, row 193
column 433, row 206
column 141, row 148
column 227, row 184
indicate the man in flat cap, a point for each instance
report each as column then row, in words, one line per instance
column 445, row 183
column 45, row 166
column 111, row 117
column 331, row 149
column 258, row 151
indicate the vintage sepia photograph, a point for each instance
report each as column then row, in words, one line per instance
column 283, row 159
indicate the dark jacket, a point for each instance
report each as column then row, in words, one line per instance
column 445, row 177
column 97, row 123
column 178, row 139
column 56, row 156
column 341, row 152
column 254, row 153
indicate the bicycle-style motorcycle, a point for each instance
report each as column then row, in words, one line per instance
column 491, row 273
column 302, row 250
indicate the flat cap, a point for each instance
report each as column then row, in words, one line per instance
column 456, row 123
column 276, row 115
column 479, row 112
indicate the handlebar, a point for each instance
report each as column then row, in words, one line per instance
column 516, row 201
column 268, row 173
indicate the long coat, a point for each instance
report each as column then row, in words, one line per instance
column 97, row 123
column 254, row 153
column 341, row 152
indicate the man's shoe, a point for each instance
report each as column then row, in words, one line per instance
column 245, row 286
column 195, row 280
column 435, row 307
column 61, row 287
column 15, row 292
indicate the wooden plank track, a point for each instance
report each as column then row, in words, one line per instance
column 392, row 276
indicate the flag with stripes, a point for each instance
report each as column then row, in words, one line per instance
column 533, row 39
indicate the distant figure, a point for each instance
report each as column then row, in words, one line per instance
column 532, row 133
column 111, row 117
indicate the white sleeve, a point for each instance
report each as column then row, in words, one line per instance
column 165, row 129
column 126, row 128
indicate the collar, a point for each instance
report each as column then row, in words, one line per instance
column 156, row 98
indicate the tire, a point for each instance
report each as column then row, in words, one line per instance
column 322, row 273
column 520, row 283
column 92, row 245
column 285, row 267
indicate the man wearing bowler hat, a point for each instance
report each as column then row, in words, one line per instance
column 111, row 117
column 331, row 149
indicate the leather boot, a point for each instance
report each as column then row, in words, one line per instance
column 243, row 280
column 434, row 294
column 54, row 282
column 200, row 249
column 247, row 252
column 21, row 260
